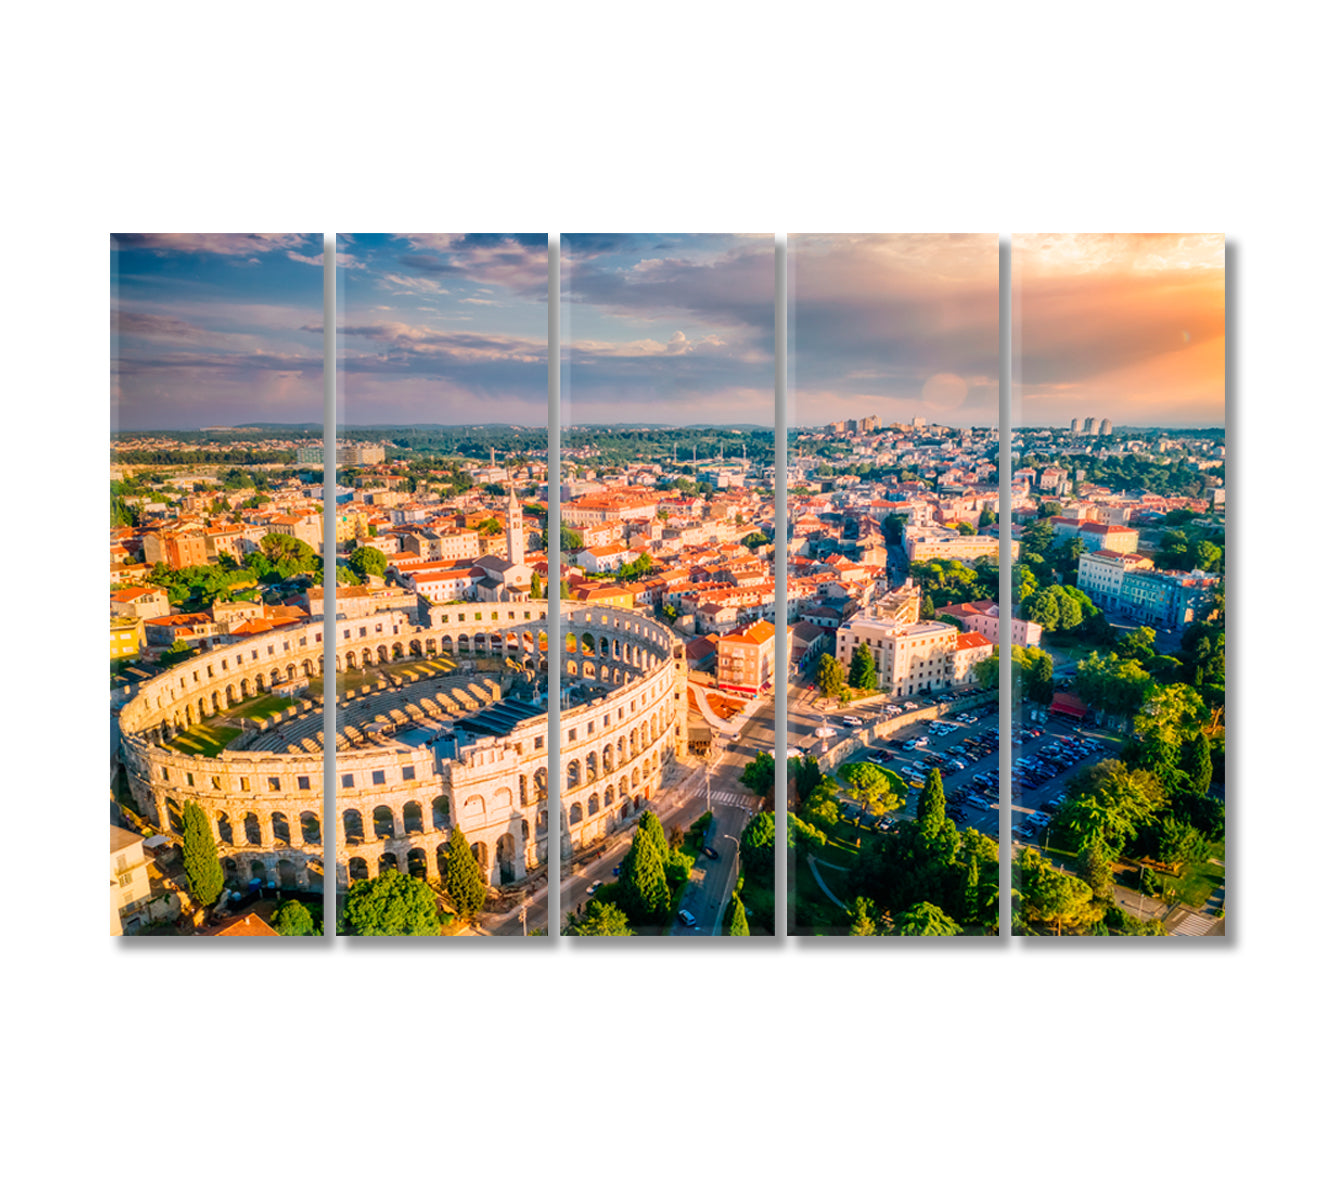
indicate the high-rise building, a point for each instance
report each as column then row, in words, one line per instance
column 1105, row 428
column 307, row 455
column 1074, row 424
column 1089, row 423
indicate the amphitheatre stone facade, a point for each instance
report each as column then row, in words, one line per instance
column 405, row 775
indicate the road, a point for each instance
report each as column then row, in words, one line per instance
column 682, row 803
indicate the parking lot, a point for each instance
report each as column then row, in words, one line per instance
column 965, row 747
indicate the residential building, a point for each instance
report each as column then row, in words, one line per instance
column 746, row 660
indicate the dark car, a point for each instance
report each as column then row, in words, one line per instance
column 710, row 852
column 686, row 919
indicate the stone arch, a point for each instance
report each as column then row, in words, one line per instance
column 224, row 829
column 576, row 813
column 483, row 857
column 440, row 812
column 591, row 766
column 388, row 862
column 258, row 871
column 310, row 829
column 593, row 804
column 446, row 644
column 253, row 836
column 572, row 773
column 282, row 831
column 412, row 817
column 417, row 863
column 442, row 859
column 382, row 819
column 230, row 874
column 286, row 874
column 540, row 783
column 356, row 868
column 354, row 831
column 505, row 858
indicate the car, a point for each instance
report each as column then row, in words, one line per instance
column 687, row 919
column 592, row 888
column 710, row 853
column 852, row 722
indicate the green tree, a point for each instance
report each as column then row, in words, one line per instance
column 1038, row 684
column 1053, row 897
column 463, row 880
column 823, row 813
column 925, row 919
column 649, row 821
column 806, row 775
column 367, row 561
column 739, row 926
column 863, row 918
column 203, row 871
column 602, row 920
column 831, row 677
column 862, row 673
column 643, row 882
column 535, row 591
column 1197, row 764
column 391, row 905
column 293, row 919
column 758, row 775
column 871, row 789
column 757, row 847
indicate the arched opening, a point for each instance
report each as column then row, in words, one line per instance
column 354, row 832
column 224, row 829
column 310, row 829
column 230, row 876
column 593, row 804
column 286, row 875
column 442, row 859
column 356, row 869
column 252, row 832
column 540, row 783
column 383, row 819
column 591, row 767
column 576, row 813
column 483, row 858
column 175, row 822
column 541, row 820
column 282, row 834
column 440, row 812
column 388, row 862
column 505, row 857
column 417, row 863
column 259, row 873
column 572, row 773
column 412, row 817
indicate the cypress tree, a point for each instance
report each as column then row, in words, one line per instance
column 203, row 871
column 650, row 823
column 644, row 881
column 861, row 674
column 739, row 926
column 463, row 877
column 931, row 806
column 1196, row 763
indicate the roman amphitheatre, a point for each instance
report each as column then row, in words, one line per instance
column 442, row 722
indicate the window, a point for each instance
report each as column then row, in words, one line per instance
column 377, row 778
column 217, row 783
column 303, row 782
column 409, row 774
column 275, row 784
column 537, row 742
column 164, row 772
column 189, row 779
column 245, row 785
column 347, row 781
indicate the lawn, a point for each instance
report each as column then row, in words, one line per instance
column 1197, row 881
column 205, row 740
column 263, row 706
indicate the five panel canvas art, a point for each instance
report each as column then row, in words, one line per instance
column 745, row 627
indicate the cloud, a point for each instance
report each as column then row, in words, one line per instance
column 347, row 261
column 229, row 244
column 407, row 285
column 154, row 326
column 517, row 262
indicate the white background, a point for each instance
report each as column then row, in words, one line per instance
column 1089, row 1068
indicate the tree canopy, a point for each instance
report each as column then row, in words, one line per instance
column 391, row 905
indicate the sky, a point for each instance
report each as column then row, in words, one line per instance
column 673, row 329
column 442, row 328
column 893, row 325
column 1129, row 327
column 216, row 329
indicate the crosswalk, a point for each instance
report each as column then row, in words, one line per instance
column 733, row 799
column 1195, row 925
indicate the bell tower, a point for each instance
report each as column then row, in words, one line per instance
column 515, row 540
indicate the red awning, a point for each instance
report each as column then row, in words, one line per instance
column 1068, row 705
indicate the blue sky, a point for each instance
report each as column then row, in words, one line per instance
column 442, row 328
column 667, row 328
column 216, row 329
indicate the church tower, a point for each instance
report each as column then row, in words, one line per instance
column 515, row 540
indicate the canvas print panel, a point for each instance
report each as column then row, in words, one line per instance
column 216, row 528
column 893, row 584
column 666, row 579
column 1119, row 669
column 441, row 647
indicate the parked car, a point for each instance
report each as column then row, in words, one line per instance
column 687, row 919
column 710, row 853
